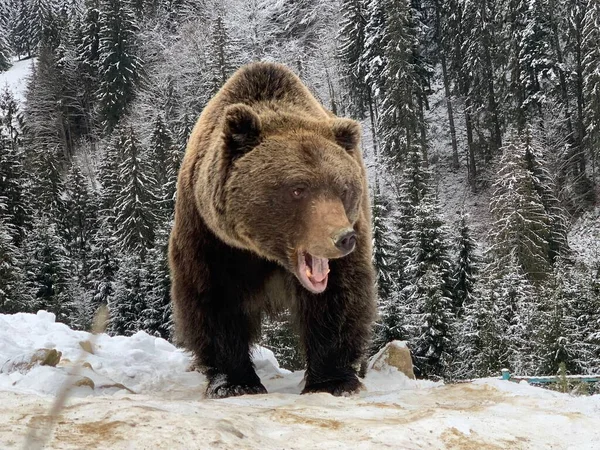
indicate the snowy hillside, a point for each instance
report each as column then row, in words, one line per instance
column 15, row 78
column 138, row 392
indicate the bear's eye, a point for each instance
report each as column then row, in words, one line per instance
column 298, row 191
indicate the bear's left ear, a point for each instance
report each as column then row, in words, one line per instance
column 346, row 133
column 242, row 129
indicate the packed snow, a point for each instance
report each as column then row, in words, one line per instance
column 16, row 77
column 140, row 392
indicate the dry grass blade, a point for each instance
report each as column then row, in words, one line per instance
column 40, row 431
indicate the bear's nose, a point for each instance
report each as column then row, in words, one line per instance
column 345, row 240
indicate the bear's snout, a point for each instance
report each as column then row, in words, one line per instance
column 345, row 240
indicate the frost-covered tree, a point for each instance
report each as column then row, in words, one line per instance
column 559, row 336
column 128, row 300
column 120, row 67
column 48, row 270
column 79, row 218
column 350, row 51
column 466, row 266
column 14, row 296
column 135, row 217
column 432, row 319
column 383, row 247
column 591, row 80
column 482, row 342
column 12, row 178
column 5, row 50
column 164, row 159
column 397, row 71
column 520, row 228
column 156, row 316
column 412, row 189
column 103, row 266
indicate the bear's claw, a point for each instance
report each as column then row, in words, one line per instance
column 339, row 388
column 219, row 389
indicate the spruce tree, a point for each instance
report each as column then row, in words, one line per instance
column 591, row 77
column 164, row 160
column 14, row 296
column 520, row 226
column 119, row 64
column 79, row 219
column 48, row 268
column 5, row 50
column 135, row 217
column 156, row 317
column 350, row 51
column 383, row 247
column 559, row 337
column 103, row 266
column 12, row 174
column 128, row 300
column 466, row 266
column 432, row 342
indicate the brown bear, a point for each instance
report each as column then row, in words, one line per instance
column 272, row 211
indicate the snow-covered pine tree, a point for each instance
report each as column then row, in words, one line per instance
column 14, row 296
column 220, row 59
column 88, row 59
column 78, row 223
column 390, row 326
column 429, row 273
column 156, row 317
column 482, row 344
column 164, row 161
column 128, row 300
column 476, row 73
column 103, row 266
column 383, row 247
column 120, row 68
column 12, row 175
column 412, row 189
column 135, row 216
column 400, row 120
column 466, row 266
column 591, row 82
column 109, row 175
column 5, row 50
column 48, row 270
column 432, row 318
column 520, row 227
column 350, row 51
column 559, row 337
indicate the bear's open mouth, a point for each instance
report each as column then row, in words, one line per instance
column 313, row 272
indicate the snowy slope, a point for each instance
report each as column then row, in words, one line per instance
column 159, row 404
column 16, row 78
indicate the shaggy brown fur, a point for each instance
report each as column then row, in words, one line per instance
column 269, row 175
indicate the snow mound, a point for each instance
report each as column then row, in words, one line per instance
column 139, row 392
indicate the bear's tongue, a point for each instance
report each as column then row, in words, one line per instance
column 313, row 272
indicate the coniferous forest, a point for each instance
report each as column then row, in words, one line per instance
column 496, row 100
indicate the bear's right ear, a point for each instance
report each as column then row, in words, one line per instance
column 242, row 129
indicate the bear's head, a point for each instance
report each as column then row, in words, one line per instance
column 292, row 188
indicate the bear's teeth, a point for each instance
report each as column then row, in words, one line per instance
column 308, row 272
column 328, row 270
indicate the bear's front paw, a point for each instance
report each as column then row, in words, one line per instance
column 343, row 387
column 219, row 387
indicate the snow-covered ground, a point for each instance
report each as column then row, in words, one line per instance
column 16, row 77
column 139, row 393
